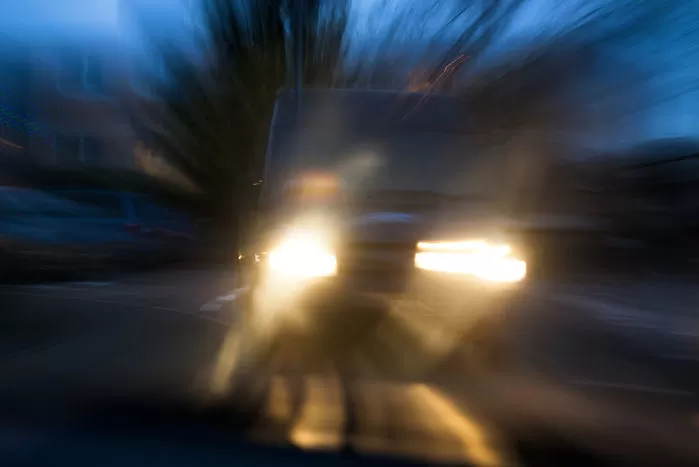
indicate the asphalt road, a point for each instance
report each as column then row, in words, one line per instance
column 606, row 364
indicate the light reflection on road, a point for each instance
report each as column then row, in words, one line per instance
column 404, row 419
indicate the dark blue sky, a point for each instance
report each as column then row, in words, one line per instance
column 34, row 19
column 671, row 53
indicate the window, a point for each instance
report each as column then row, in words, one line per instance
column 148, row 75
column 91, row 151
column 67, row 149
column 71, row 72
column 75, row 149
column 81, row 73
column 93, row 74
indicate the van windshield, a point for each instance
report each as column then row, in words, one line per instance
column 376, row 141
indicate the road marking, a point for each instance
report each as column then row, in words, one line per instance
column 217, row 303
column 55, row 342
column 124, row 304
column 189, row 313
column 46, row 286
column 476, row 445
column 63, row 285
column 93, row 283
column 279, row 407
column 69, row 297
column 685, row 358
column 211, row 306
column 233, row 295
column 49, row 287
column 322, row 417
column 631, row 317
column 631, row 387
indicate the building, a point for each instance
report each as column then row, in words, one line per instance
column 62, row 101
column 77, row 94
column 67, row 93
column 16, row 124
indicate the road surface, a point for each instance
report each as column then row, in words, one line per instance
column 591, row 364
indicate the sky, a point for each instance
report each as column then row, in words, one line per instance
column 37, row 19
column 29, row 19
column 34, row 19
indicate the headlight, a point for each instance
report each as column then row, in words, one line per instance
column 302, row 254
column 479, row 258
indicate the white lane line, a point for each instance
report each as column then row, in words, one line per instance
column 684, row 358
column 44, row 287
column 217, row 303
column 478, row 444
column 189, row 313
column 630, row 387
column 33, row 349
column 233, row 295
column 630, row 317
column 93, row 283
column 69, row 297
column 667, row 335
column 64, row 288
column 124, row 304
column 62, row 285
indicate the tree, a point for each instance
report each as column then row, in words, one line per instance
column 542, row 96
column 423, row 40
column 213, row 107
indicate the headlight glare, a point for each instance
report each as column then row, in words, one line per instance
column 302, row 255
column 490, row 262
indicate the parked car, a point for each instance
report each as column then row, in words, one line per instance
column 163, row 233
column 43, row 232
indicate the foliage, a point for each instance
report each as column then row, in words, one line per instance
column 213, row 107
column 554, row 87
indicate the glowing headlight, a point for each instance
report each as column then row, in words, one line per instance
column 302, row 254
column 478, row 258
